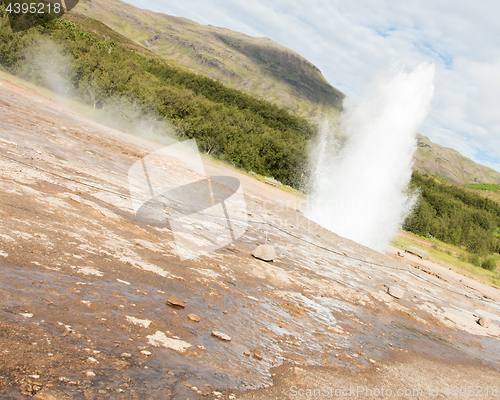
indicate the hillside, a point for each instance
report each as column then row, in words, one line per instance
column 134, row 87
column 455, row 214
column 258, row 66
column 442, row 161
column 263, row 68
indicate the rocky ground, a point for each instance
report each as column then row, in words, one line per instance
column 85, row 289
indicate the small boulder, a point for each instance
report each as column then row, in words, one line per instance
column 264, row 252
column 194, row 317
column 257, row 356
column 483, row 321
column 175, row 302
column 396, row 292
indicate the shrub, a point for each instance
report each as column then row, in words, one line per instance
column 489, row 263
column 475, row 260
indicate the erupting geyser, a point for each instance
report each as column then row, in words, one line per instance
column 360, row 182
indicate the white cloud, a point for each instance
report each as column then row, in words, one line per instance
column 351, row 42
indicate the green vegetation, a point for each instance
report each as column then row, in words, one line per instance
column 107, row 71
column 484, row 186
column 255, row 65
column 489, row 263
column 457, row 216
column 454, row 257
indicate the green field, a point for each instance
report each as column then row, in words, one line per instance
column 454, row 257
column 484, row 186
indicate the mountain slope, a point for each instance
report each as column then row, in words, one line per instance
column 263, row 68
column 448, row 163
column 258, row 66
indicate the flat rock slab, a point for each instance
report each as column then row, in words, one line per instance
column 396, row 292
column 221, row 336
column 174, row 301
column 264, row 252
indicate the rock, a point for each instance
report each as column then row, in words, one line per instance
column 145, row 352
column 46, row 395
column 247, row 353
column 257, row 356
column 175, row 302
column 221, row 336
column 483, row 321
column 126, row 355
column 264, row 252
column 90, row 374
column 194, row 317
column 396, row 292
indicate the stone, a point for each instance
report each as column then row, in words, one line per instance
column 194, row 317
column 264, row 252
column 257, row 356
column 221, row 336
column 90, row 374
column 126, row 355
column 247, row 353
column 483, row 321
column 174, row 301
column 396, row 292
column 46, row 395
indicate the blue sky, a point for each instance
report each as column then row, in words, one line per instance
column 353, row 42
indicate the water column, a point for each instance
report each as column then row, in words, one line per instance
column 362, row 165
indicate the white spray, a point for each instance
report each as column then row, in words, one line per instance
column 359, row 189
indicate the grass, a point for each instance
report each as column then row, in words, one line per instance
column 450, row 256
column 484, row 186
column 254, row 175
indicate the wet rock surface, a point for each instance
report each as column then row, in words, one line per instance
column 84, row 286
